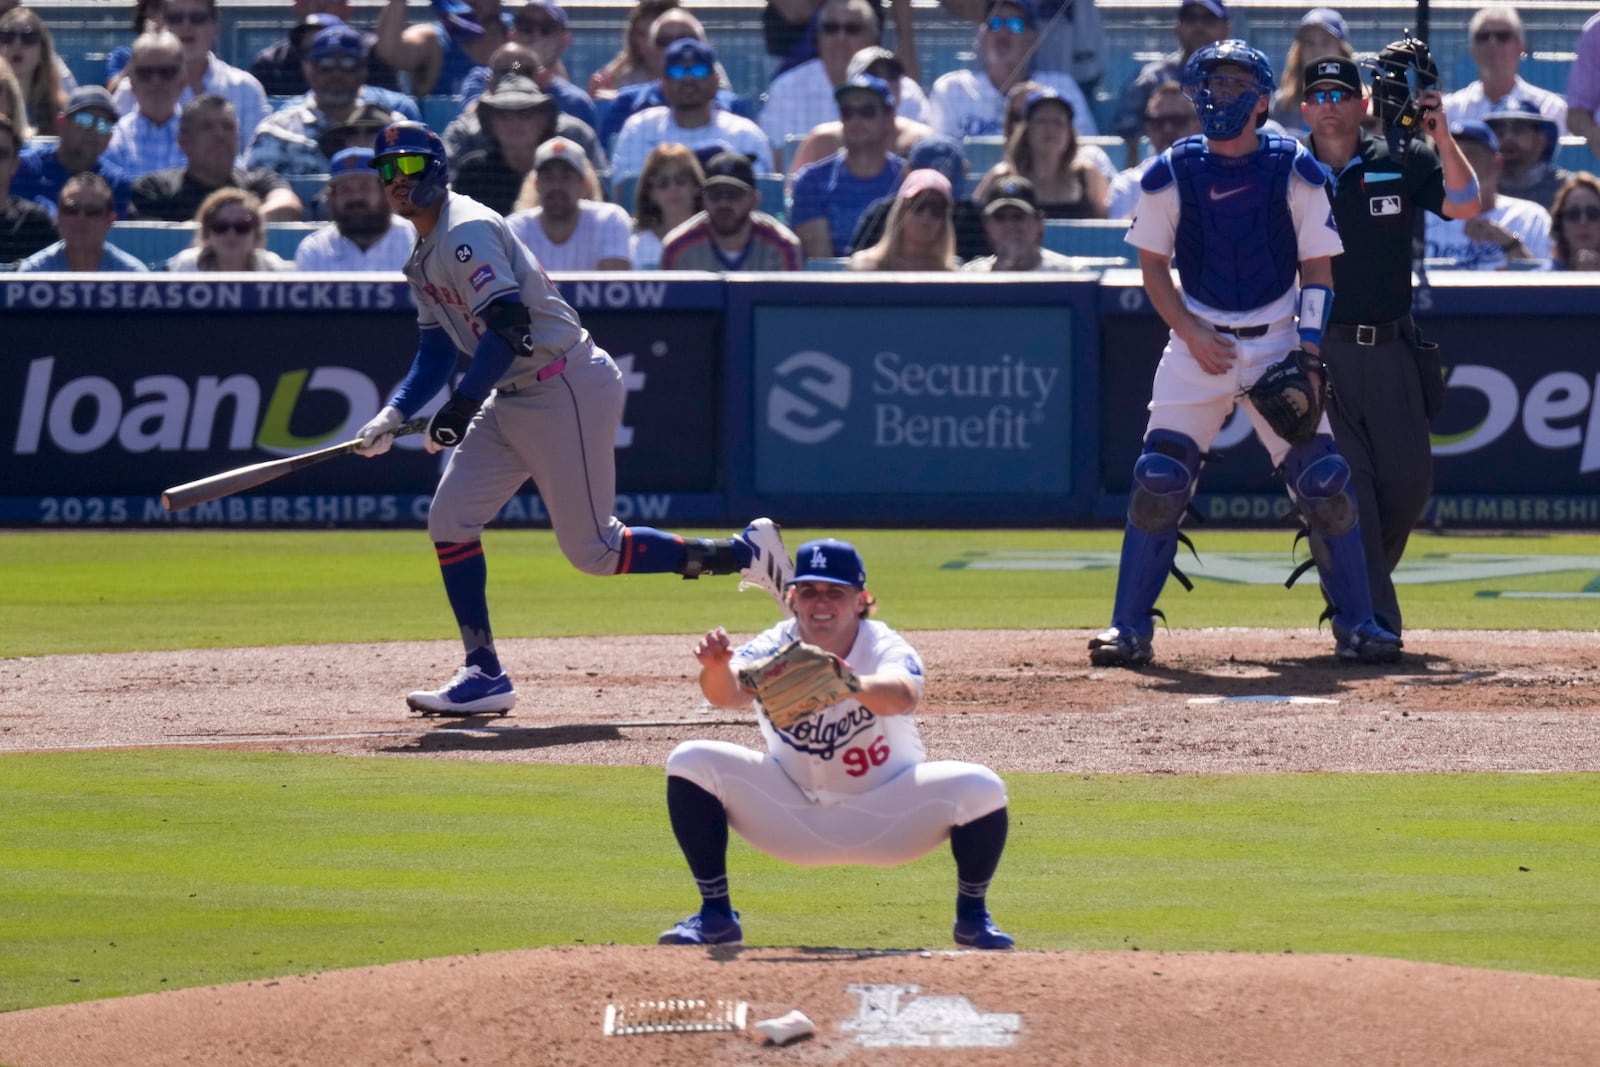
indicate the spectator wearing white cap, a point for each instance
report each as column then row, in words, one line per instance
column 831, row 194
column 1322, row 32
column 1014, row 226
column 1498, row 43
column 972, row 102
column 1199, row 23
column 919, row 234
column 911, row 110
column 731, row 234
column 290, row 141
column 364, row 235
column 1528, row 143
column 195, row 25
column 85, row 127
column 690, row 117
column 569, row 229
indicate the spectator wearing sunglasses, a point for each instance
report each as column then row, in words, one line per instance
column 230, row 235
column 84, row 126
column 146, row 138
column 1169, row 116
column 26, row 44
column 1322, row 32
column 1495, row 37
column 1381, row 407
column 1528, row 143
column 802, row 97
column 972, row 102
column 25, row 227
column 195, row 25
column 792, row 32
column 690, row 117
column 541, row 27
column 910, row 110
column 84, row 214
column 637, row 62
column 1198, row 23
column 831, row 194
column 291, row 140
column 207, row 132
column 673, row 25
column 1575, row 224
column 920, row 232
column 278, row 66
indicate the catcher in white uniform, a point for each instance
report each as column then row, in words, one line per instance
column 846, row 784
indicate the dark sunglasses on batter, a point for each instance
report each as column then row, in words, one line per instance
column 1580, row 213
column 677, row 72
column 98, row 123
column 1007, row 25
column 25, row 36
column 396, row 166
column 1330, row 96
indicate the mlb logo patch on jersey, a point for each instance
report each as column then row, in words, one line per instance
column 463, row 253
column 1385, row 205
column 481, row 277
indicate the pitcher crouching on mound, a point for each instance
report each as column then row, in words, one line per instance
column 845, row 778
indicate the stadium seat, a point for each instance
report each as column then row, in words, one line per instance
column 309, row 187
column 982, row 154
column 773, row 201
column 623, row 189
column 437, row 111
column 1102, row 238
column 1574, row 154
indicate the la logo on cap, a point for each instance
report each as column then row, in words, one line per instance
column 818, row 560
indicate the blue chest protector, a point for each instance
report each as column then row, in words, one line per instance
column 1236, row 247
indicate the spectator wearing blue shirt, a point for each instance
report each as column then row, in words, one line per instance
column 85, row 130
column 84, row 214
column 830, row 195
column 541, row 27
column 437, row 56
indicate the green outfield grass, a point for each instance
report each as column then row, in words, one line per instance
column 136, row 872
column 79, row 591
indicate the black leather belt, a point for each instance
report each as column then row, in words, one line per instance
column 1244, row 331
column 1368, row 335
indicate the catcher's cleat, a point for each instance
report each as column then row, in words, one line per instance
column 470, row 692
column 770, row 566
column 705, row 928
column 1369, row 642
column 1120, row 648
column 979, row 931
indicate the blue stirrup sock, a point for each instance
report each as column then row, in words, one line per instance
column 977, row 847
column 466, row 583
column 700, row 823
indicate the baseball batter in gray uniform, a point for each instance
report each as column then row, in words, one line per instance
column 539, row 400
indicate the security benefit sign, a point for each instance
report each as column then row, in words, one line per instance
column 912, row 400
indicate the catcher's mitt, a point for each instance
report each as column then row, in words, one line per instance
column 1288, row 398
column 796, row 681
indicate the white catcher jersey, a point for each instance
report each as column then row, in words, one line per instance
column 469, row 259
column 845, row 749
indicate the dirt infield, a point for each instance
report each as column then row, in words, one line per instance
column 1217, row 701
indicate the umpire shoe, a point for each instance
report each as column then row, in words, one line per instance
column 705, row 928
column 770, row 566
column 1369, row 642
column 1120, row 648
column 470, row 692
column 979, row 931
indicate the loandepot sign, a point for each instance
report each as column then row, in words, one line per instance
column 1271, row 568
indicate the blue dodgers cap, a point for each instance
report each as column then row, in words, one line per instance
column 941, row 154
column 1031, row 102
column 1475, row 131
column 865, row 83
column 350, row 161
column 1216, row 7
column 551, row 8
column 829, row 560
column 687, row 51
column 1328, row 19
column 340, row 40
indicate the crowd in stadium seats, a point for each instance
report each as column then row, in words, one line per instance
column 846, row 154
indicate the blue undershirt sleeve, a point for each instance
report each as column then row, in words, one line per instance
column 430, row 369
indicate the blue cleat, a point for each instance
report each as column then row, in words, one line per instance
column 705, row 928
column 979, row 931
column 470, row 692
column 1369, row 642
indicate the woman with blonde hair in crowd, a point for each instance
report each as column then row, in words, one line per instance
column 1043, row 148
column 920, row 232
column 12, row 104
column 670, row 192
column 631, row 66
column 27, row 46
column 1322, row 32
column 1575, row 224
column 230, row 235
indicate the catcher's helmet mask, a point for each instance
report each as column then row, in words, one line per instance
column 1222, row 118
column 1401, row 73
column 415, row 139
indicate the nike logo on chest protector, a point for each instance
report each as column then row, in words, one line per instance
column 1219, row 195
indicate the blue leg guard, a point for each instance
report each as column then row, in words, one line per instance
column 1163, row 483
column 1318, row 479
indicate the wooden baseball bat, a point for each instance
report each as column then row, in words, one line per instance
column 217, row 486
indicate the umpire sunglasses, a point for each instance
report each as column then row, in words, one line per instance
column 393, row 167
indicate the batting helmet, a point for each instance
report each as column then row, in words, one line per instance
column 1401, row 73
column 1223, row 118
column 414, row 139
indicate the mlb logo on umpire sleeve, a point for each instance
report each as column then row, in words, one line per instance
column 1385, row 205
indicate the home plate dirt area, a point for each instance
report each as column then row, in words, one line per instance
column 1215, row 701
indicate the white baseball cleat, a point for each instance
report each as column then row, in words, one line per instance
column 470, row 692
column 770, row 566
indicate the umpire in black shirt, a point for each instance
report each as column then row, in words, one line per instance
column 1386, row 383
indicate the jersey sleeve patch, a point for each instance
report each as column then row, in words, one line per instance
column 463, row 253
column 481, row 277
